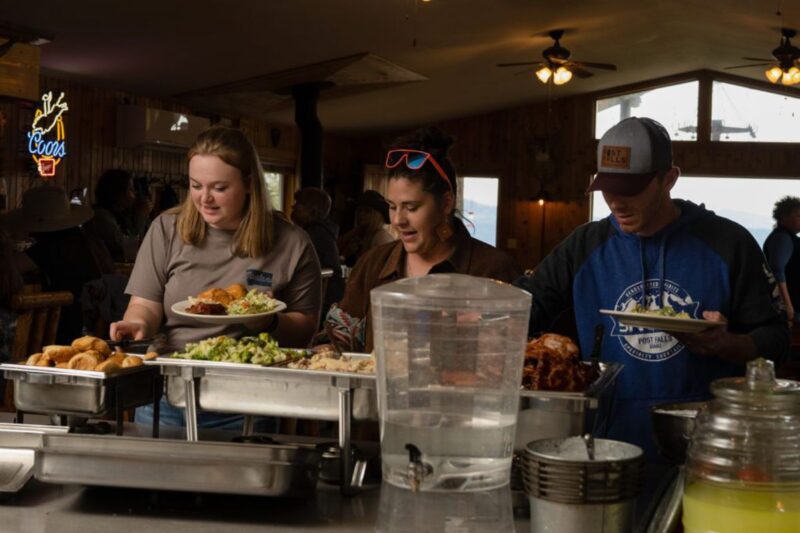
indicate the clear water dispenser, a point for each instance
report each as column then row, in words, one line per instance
column 449, row 351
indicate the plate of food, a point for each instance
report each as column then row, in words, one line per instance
column 232, row 305
column 664, row 319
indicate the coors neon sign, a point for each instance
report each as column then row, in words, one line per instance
column 46, row 138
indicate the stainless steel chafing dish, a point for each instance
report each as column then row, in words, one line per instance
column 272, row 391
column 82, row 393
column 552, row 414
column 164, row 464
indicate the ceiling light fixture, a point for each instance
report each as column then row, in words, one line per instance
column 558, row 76
column 774, row 74
column 562, row 76
column 544, row 74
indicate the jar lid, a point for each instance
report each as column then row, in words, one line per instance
column 759, row 384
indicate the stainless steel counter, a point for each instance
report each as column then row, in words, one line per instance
column 41, row 507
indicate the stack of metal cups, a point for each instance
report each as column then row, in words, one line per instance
column 582, row 485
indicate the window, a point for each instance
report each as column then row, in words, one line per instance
column 674, row 106
column 477, row 201
column 725, row 197
column 750, row 115
column 275, row 186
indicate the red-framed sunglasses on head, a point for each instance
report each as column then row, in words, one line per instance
column 414, row 159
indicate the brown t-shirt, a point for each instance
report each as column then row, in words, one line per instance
column 384, row 264
column 167, row 270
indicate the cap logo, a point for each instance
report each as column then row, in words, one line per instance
column 616, row 157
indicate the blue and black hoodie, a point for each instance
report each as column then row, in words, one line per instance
column 699, row 262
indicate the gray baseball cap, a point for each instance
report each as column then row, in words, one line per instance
column 630, row 155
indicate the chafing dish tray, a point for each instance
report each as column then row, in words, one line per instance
column 163, row 464
column 17, row 445
column 552, row 414
column 83, row 393
column 272, row 391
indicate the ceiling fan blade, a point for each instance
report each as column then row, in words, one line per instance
column 590, row 64
column 750, row 65
column 580, row 72
column 523, row 64
column 756, row 59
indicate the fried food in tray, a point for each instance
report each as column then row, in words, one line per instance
column 553, row 363
column 86, row 353
column 330, row 361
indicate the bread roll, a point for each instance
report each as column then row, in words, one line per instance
column 84, row 361
column 32, row 360
column 62, row 365
column 149, row 356
column 92, row 343
column 131, row 361
column 237, row 290
column 59, row 354
column 117, row 358
column 44, row 360
column 108, row 366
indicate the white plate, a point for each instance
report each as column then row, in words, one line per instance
column 662, row 323
column 180, row 309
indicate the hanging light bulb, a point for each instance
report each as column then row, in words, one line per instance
column 544, row 74
column 774, row 74
column 793, row 75
column 562, row 76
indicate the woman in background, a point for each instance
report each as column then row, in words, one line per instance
column 372, row 214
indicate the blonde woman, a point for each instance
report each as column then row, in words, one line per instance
column 225, row 232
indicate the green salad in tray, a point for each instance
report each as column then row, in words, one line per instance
column 257, row 350
column 252, row 303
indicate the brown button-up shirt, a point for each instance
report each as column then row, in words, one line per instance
column 386, row 263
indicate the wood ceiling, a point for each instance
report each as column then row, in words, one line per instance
column 169, row 48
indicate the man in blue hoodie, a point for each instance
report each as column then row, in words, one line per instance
column 655, row 251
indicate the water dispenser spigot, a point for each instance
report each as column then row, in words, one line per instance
column 417, row 469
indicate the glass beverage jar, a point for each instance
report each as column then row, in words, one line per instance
column 743, row 462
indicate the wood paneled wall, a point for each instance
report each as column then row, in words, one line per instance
column 91, row 129
column 505, row 143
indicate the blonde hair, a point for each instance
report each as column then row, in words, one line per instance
column 253, row 237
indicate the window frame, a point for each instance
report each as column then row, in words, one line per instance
column 706, row 79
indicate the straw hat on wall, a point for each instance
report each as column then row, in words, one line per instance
column 45, row 209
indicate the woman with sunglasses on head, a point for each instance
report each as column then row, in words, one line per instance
column 422, row 194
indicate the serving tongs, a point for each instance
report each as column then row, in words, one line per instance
column 128, row 342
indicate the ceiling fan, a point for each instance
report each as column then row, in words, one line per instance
column 557, row 65
column 784, row 68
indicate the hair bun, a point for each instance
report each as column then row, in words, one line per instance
column 428, row 139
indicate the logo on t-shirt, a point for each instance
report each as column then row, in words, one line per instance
column 257, row 277
column 648, row 344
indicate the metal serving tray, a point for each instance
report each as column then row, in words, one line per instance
column 551, row 414
column 84, row 393
column 271, row 391
column 17, row 453
column 163, row 464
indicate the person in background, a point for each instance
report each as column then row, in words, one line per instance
column 782, row 248
column 114, row 197
column 66, row 256
column 653, row 252
column 15, row 267
column 225, row 232
column 372, row 214
column 310, row 211
column 422, row 201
